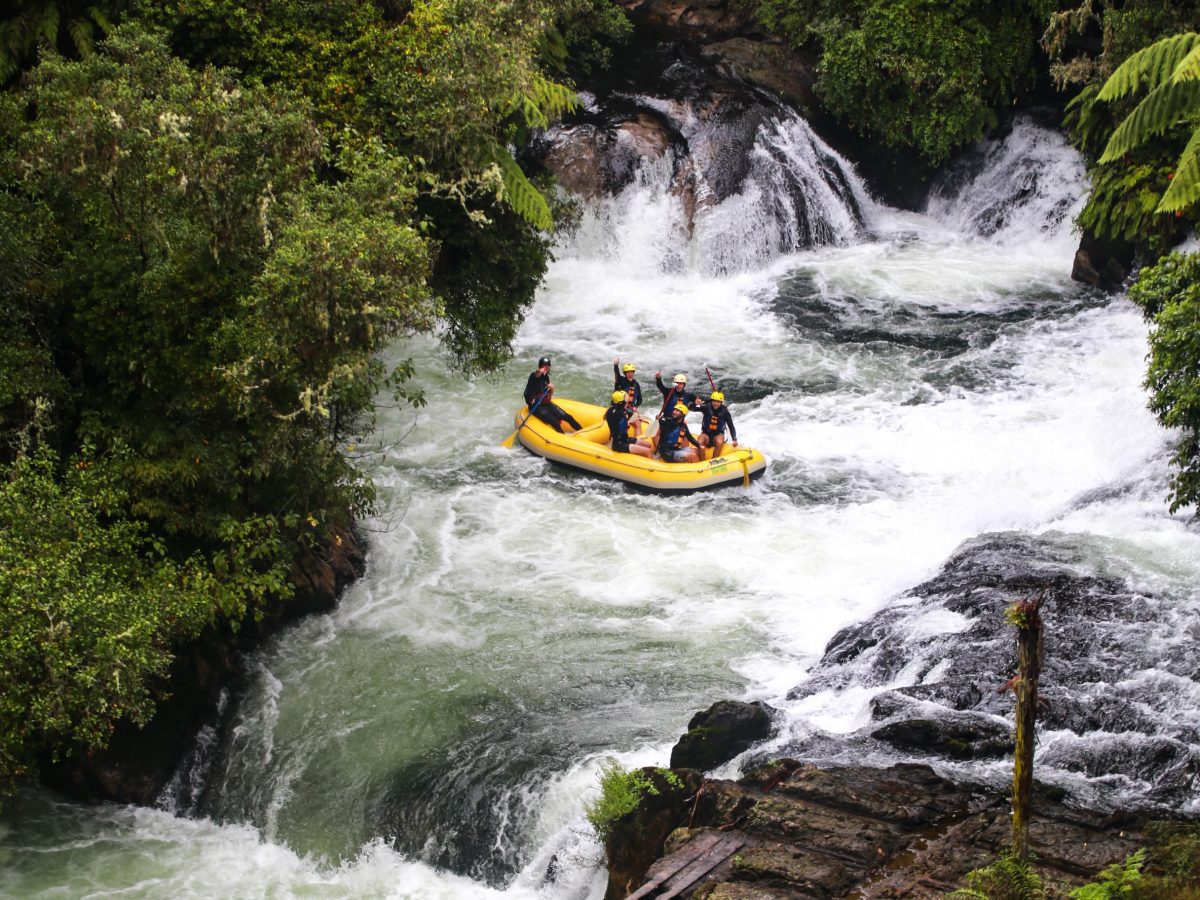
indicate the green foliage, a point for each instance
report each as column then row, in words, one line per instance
column 1123, row 205
column 447, row 84
column 68, row 26
column 1169, row 292
column 582, row 42
column 1176, row 851
column 915, row 74
column 91, row 605
column 1008, row 878
column 1114, row 882
column 621, row 791
column 1169, row 869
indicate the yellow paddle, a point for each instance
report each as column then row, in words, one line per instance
column 508, row 441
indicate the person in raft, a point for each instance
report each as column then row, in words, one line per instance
column 623, row 380
column 716, row 419
column 676, row 393
column 539, row 390
column 617, row 418
column 673, row 437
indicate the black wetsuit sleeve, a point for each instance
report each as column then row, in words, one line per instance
column 658, row 383
column 533, row 389
column 616, row 378
column 729, row 422
column 687, row 433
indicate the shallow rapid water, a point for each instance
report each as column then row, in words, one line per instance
column 920, row 380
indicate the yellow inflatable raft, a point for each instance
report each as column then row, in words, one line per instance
column 589, row 450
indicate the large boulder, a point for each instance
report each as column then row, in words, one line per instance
column 721, row 732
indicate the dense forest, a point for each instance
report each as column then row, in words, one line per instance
column 214, row 215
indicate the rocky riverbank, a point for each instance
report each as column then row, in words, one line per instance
column 917, row 797
column 799, row 831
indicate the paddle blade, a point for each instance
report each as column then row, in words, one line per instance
column 508, row 441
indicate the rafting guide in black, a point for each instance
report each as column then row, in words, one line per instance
column 538, row 387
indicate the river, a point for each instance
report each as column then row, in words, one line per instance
column 916, row 381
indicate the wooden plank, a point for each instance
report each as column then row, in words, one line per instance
column 691, row 874
column 672, row 864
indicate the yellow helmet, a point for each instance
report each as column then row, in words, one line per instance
column 628, row 367
column 716, row 395
column 680, row 408
column 618, row 397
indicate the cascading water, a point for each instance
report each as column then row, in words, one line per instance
column 919, row 384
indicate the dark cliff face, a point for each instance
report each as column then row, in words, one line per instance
column 150, row 765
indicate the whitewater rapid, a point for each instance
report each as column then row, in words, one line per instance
column 916, row 381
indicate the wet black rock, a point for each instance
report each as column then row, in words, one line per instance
column 720, row 733
column 1116, row 660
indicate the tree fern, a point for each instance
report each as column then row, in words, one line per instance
column 47, row 28
column 1171, row 69
column 539, row 103
column 80, row 31
column 1185, row 186
column 1162, row 109
column 34, row 24
column 525, row 199
column 1150, row 66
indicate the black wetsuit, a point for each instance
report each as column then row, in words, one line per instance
column 716, row 421
column 547, row 411
column 630, row 386
column 686, row 397
column 617, row 419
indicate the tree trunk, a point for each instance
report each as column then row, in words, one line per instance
column 1029, row 661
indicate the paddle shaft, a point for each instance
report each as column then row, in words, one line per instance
column 508, row 442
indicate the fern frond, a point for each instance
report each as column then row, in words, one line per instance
column 101, row 18
column 1161, row 109
column 525, row 200
column 48, row 25
column 552, row 98
column 1149, row 67
column 1189, row 67
column 81, row 36
column 543, row 101
column 1185, row 186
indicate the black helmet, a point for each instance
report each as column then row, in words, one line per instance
column 544, row 361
